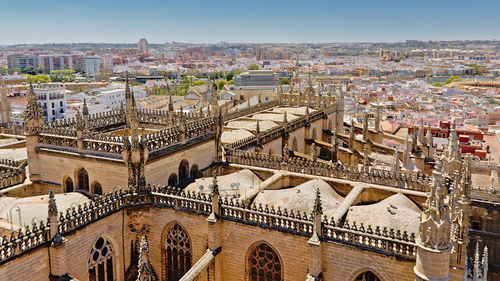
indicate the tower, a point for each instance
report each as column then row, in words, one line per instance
column 434, row 244
column 5, row 110
column 33, row 120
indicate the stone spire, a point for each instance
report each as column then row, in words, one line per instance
column 52, row 203
column 352, row 135
column 377, row 118
column 33, row 109
column 366, row 159
column 365, row 126
column 395, row 162
column 85, row 110
column 453, row 150
column 317, row 208
column 429, row 142
column 333, row 152
column 215, row 199
column 406, row 152
column 435, row 223
column 315, row 248
column 146, row 272
column 421, row 131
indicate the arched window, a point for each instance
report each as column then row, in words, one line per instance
column 101, row 261
column 367, row 276
column 83, row 180
column 97, row 189
column 195, row 173
column 183, row 170
column 264, row 264
column 172, row 180
column 176, row 253
column 68, row 185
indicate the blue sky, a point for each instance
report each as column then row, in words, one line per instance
column 56, row 21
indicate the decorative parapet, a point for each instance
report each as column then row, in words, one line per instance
column 413, row 181
column 12, row 172
column 250, row 110
column 490, row 195
column 391, row 242
column 388, row 241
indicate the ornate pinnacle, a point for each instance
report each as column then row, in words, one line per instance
column 85, row 109
column 170, row 104
column 215, row 188
column 52, row 204
column 127, row 86
column 317, row 209
column 285, row 120
column 145, row 269
column 395, row 161
column 33, row 109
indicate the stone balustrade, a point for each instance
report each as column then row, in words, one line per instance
column 12, row 172
column 406, row 180
column 391, row 242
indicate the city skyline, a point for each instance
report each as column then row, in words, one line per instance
column 255, row 22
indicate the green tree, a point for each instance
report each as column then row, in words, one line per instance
column 40, row 78
column 198, row 83
column 285, row 81
column 220, row 84
column 10, row 70
column 67, row 75
column 451, row 79
column 253, row 67
column 475, row 67
column 29, row 70
column 40, row 70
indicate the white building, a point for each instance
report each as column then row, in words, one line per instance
column 91, row 65
column 142, row 46
column 52, row 99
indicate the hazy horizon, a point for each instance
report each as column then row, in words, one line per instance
column 259, row 21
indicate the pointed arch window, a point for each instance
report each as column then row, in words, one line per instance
column 176, row 253
column 68, row 183
column 83, row 180
column 367, row 276
column 100, row 263
column 264, row 264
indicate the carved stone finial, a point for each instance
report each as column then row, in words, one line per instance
column 52, row 204
column 215, row 185
column 317, row 208
column 146, row 272
column 85, row 109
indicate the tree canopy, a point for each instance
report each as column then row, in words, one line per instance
column 67, row 75
column 253, row 67
column 40, row 78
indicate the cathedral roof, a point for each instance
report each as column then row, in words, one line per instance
column 396, row 211
column 301, row 198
